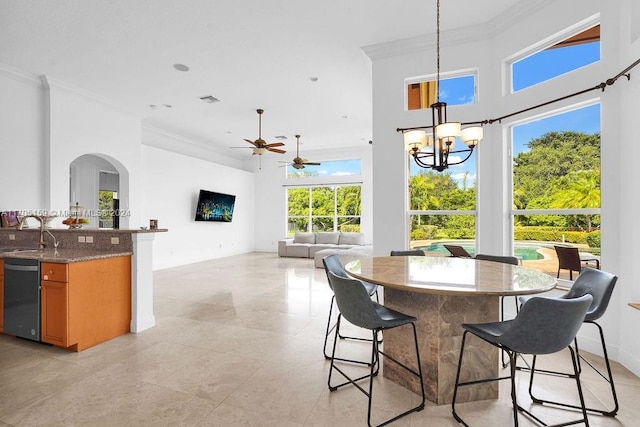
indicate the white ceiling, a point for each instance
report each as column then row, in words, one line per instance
column 248, row 53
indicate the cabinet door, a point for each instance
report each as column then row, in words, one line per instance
column 1, row 295
column 55, row 309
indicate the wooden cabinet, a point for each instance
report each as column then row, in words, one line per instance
column 1, row 295
column 55, row 312
column 85, row 303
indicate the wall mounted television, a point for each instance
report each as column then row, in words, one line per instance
column 216, row 207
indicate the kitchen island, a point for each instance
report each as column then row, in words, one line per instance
column 100, row 278
column 85, row 296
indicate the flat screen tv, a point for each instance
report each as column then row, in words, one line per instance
column 214, row 206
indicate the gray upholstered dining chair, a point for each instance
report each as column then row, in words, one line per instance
column 357, row 307
column 332, row 264
column 412, row 252
column 505, row 259
column 599, row 284
column 543, row 326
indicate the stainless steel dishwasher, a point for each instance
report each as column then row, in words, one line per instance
column 22, row 298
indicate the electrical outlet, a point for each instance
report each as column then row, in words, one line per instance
column 115, row 240
column 12, row 237
column 81, row 239
column 89, row 239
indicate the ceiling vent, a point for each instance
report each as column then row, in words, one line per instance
column 209, row 99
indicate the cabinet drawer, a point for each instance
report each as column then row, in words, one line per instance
column 54, row 272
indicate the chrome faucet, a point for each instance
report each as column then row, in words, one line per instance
column 41, row 243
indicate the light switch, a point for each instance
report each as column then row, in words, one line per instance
column 81, row 239
column 89, row 239
column 115, row 240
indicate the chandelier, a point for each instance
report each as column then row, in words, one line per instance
column 430, row 146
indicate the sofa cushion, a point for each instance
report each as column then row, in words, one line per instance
column 298, row 250
column 327, row 238
column 304, row 238
column 351, row 239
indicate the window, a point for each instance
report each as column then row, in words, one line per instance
column 326, row 168
column 456, row 90
column 324, row 208
column 556, row 184
column 560, row 58
column 442, row 207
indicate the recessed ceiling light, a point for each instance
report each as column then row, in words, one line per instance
column 281, row 137
column 167, row 106
column 344, row 117
column 209, row 99
column 180, row 67
column 153, row 106
column 313, row 79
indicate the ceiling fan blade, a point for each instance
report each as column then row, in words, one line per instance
column 252, row 148
column 251, row 142
column 276, row 150
column 312, row 163
column 275, row 144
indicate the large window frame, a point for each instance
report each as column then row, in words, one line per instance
column 340, row 222
column 514, row 212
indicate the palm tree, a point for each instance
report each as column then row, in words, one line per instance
column 580, row 190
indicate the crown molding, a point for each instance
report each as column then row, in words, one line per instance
column 477, row 32
column 50, row 83
column 19, row 75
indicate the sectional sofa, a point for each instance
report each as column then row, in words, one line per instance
column 319, row 245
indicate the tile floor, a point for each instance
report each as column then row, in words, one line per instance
column 238, row 342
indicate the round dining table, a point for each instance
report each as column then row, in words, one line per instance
column 443, row 293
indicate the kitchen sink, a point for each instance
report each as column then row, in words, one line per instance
column 15, row 250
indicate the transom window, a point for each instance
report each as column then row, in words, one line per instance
column 559, row 58
column 326, row 168
column 454, row 90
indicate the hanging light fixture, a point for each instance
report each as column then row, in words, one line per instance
column 430, row 146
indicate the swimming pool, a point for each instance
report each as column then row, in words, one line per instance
column 524, row 251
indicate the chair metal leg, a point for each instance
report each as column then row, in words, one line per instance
column 373, row 372
column 608, row 377
column 512, row 375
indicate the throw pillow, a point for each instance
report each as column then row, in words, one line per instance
column 327, row 238
column 351, row 239
column 304, row 238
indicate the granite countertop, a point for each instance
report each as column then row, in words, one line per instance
column 63, row 255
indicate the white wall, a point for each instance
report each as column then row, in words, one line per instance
column 170, row 186
column 486, row 47
column 271, row 199
column 21, row 141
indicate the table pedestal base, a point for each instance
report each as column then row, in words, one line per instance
column 439, row 337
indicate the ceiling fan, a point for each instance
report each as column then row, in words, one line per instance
column 260, row 146
column 299, row 162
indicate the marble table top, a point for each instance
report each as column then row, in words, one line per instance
column 450, row 275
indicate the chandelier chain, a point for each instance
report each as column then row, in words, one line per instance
column 438, row 50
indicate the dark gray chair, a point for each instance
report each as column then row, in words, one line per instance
column 505, row 260
column 458, row 251
column 543, row 326
column 355, row 304
column 413, row 252
column 332, row 264
column 599, row 285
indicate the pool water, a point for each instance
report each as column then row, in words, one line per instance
column 524, row 251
